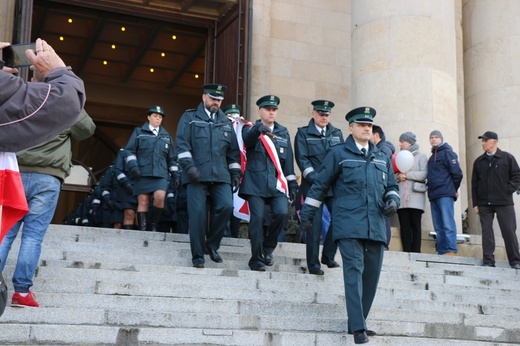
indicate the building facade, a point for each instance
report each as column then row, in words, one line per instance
column 424, row 65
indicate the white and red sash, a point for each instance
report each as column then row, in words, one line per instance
column 13, row 204
column 281, row 181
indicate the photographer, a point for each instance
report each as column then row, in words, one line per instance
column 33, row 113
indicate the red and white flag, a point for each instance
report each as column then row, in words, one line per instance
column 13, row 204
column 240, row 206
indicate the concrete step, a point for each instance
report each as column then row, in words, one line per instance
column 104, row 286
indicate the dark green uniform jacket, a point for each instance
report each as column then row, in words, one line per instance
column 211, row 146
column 360, row 185
column 260, row 174
column 155, row 154
column 310, row 148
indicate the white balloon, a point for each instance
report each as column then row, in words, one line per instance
column 404, row 161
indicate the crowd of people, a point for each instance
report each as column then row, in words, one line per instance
column 349, row 191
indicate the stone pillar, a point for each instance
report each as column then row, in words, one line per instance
column 6, row 20
column 492, row 80
column 404, row 64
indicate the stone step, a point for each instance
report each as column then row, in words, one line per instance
column 105, row 286
column 51, row 334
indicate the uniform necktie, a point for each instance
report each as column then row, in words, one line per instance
column 212, row 117
column 322, row 132
column 364, row 151
column 154, row 131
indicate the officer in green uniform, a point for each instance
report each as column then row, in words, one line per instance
column 310, row 145
column 208, row 153
column 365, row 190
column 263, row 184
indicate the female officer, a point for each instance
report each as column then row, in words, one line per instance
column 153, row 147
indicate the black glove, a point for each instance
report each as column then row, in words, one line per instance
column 293, row 190
column 136, row 173
column 311, row 177
column 193, row 174
column 176, row 180
column 128, row 187
column 108, row 202
column 236, row 184
column 263, row 129
column 304, row 228
column 93, row 214
column 390, row 208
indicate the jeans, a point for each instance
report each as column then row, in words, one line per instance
column 42, row 192
column 443, row 217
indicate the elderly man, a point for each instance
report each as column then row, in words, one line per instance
column 496, row 176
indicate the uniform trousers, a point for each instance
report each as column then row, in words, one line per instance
column 313, row 240
column 264, row 241
column 362, row 261
column 507, row 222
column 221, row 204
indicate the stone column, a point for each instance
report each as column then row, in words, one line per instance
column 492, row 80
column 6, row 20
column 404, row 64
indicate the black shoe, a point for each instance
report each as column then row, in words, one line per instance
column 360, row 337
column 198, row 265
column 268, row 260
column 516, row 266
column 368, row 332
column 258, row 268
column 329, row 263
column 215, row 257
column 488, row 265
column 316, row 271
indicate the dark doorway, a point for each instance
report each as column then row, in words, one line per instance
column 133, row 55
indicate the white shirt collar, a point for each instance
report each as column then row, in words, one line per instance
column 321, row 129
column 153, row 128
column 359, row 146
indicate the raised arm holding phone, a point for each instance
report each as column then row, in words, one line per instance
column 32, row 113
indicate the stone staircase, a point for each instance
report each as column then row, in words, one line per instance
column 104, row 286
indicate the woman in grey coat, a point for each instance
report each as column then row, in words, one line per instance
column 412, row 192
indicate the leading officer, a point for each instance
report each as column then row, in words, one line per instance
column 365, row 190
column 207, row 150
column 310, row 145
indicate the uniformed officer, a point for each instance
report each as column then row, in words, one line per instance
column 310, row 145
column 232, row 111
column 364, row 191
column 153, row 147
column 209, row 156
column 125, row 171
column 268, row 179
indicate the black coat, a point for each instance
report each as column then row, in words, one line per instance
column 494, row 181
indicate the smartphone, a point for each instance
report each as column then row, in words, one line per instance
column 14, row 55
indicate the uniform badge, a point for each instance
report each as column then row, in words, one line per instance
column 281, row 150
column 225, row 134
column 166, row 145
